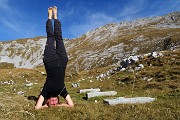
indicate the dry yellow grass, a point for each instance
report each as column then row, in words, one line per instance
column 164, row 86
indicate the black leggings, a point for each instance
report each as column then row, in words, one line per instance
column 52, row 53
column 55, row 61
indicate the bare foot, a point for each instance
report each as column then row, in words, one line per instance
column 50, row 13
column 55, row 12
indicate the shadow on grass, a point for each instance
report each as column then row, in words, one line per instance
column 34, row 98
column 85, row 98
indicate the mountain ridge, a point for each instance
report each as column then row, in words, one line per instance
column 104, row 46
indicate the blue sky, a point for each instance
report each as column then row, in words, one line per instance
column 26, row 18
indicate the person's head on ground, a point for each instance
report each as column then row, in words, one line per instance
column 52, row 101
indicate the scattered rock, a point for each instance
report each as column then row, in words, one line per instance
column 10, row 82
column 43, row 73
column 29, row 84
column 20, row 92
column 121, row 82
column 123, row 69
column 140, row 66
column 149, row 79
column 125, row 63
column 155, row 54
column 144, row 78
column 75, row 85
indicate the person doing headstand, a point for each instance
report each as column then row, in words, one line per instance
column 55, row 61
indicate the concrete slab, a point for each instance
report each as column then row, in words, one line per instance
column 123, row 100
column 89, row 90
column 96, row 94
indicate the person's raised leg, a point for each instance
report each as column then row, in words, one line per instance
column 49, row 28
column 49, row 52
column 60, row 48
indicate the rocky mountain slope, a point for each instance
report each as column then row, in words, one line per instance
column 103, row 47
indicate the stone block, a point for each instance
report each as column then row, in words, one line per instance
column 96, row 94
column 123, row 100
column 89, row 90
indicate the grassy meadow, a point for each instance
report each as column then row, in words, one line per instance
column 159, row 79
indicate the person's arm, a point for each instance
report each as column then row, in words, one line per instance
column 69, row 102
column 40, row 102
